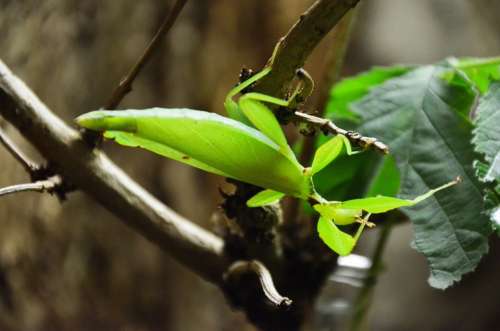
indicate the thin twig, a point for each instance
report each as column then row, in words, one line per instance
column 30, row 166
column 125, row 85
column 42, row 186
column 364, row 298
column 265, row 279
column 328, row 127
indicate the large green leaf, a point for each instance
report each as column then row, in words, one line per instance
column 213, row 141
column 385, row 180
column 420, row 118
column 353, row 88
column 494, row 170
column 481, row 71
column 487, row 143
column 487, row 131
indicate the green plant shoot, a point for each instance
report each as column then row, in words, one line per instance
column 250, row 146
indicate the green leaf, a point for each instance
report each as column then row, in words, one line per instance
column 385, row 180
column 420, row 117
column 338, row 241
column 481, row 71
column 326, row 153
column 494, row 171
column 354, row 88
column 218, row 142
column 487, row 142
column 264, row 198
column 487, row 133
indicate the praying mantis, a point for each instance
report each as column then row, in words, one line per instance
column 249, row 146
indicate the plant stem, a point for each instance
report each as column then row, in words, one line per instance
column 364, row 298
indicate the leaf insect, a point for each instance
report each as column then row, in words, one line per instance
column 249, row 146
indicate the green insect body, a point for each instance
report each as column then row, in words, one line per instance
column 207, row 141
column 334, row 211
column 250, row 146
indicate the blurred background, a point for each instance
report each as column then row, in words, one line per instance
column 73, row 266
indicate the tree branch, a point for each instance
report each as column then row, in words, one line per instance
column 125, row 85
column 294, row 48
column 29, row 165
column 95, row 174
column 42, row 186
column 328, row 127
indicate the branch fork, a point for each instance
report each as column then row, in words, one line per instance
column 43, row 179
